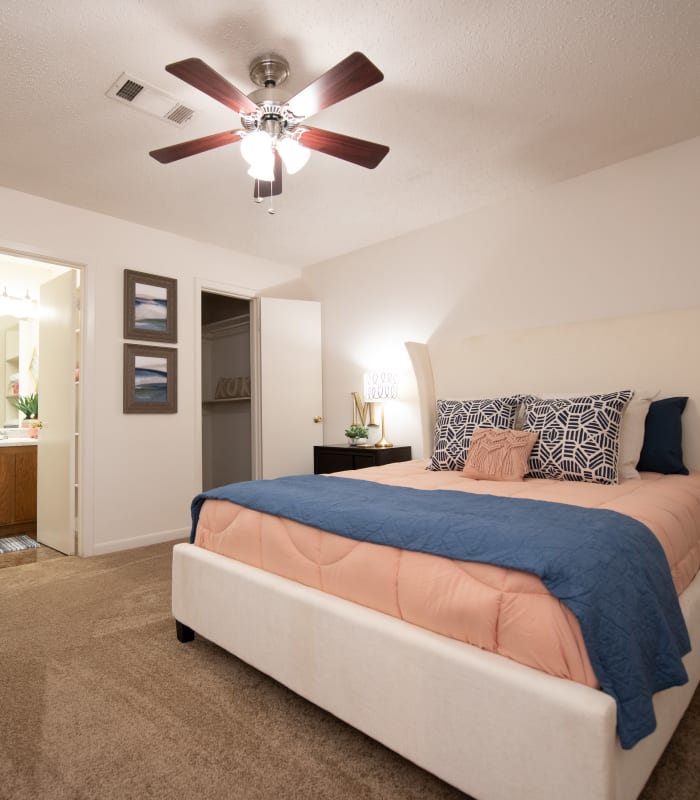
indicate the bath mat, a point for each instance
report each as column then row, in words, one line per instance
column 11, row 544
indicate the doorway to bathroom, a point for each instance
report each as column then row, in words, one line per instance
column 39, row 409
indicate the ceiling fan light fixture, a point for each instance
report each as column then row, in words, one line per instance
column 264, row 167
column 256, row 146
column 293, row 154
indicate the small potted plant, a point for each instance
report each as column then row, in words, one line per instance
column 356, row 434
column 28, row 404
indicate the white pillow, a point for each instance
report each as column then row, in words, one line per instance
column 632, row 434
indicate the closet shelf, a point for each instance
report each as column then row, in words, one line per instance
column 225, row 400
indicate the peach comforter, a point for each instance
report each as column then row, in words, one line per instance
column 502, row 610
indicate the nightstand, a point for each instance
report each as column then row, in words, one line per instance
column 337, row 457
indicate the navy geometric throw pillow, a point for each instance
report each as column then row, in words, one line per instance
column 455, row 423
column 579, row 437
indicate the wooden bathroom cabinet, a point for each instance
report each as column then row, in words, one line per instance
column 17, row 490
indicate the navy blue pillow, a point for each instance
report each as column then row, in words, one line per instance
column 662, row 450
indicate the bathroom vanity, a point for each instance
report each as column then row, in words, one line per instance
column 17, row 486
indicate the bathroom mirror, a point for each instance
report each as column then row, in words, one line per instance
column 19, row 360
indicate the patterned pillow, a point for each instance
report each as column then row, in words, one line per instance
column 579, row 437
column 496, row 454
column 456, row 420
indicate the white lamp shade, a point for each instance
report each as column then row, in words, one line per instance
column 380, row 386
column 293, row 154
column 256, row 146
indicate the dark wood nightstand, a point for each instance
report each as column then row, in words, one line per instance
column 337, row 457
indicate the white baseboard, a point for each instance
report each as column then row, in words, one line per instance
column 139, row 541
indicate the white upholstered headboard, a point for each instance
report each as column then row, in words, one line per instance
column 659, row 350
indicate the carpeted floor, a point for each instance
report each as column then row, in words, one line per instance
column 98, row 701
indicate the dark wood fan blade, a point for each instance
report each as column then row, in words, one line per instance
column 265, row 189
column 198, row 74
column 177, row 151
column 351, row 75
column 358, row 151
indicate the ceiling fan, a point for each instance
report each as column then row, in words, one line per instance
column 273, row 129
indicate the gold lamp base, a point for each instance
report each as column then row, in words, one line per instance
column 383, row 442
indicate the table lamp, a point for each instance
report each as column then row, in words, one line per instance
column 379, row 388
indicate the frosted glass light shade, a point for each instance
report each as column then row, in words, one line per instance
column 293, row 154
column 264, row 167
column 255, row 146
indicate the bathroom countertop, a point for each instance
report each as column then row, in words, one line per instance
column 18, row 442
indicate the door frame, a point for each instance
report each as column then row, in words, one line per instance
column 84, row 512
column 202, row 286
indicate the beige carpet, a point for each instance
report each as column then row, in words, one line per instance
column 98, row 700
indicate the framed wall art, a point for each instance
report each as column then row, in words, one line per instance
column 150, row 307
column 150, row 379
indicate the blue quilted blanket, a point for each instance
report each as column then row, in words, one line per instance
column 609, row 569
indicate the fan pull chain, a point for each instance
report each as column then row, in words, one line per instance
column 271, row 210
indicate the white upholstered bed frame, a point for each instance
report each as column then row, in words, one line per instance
column 489, row 726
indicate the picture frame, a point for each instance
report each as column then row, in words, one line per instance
column 150, row 379
column 150, row 307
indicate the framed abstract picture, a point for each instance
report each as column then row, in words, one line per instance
column 150, row 379
column 150, row 307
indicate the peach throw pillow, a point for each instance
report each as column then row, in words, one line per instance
column 497, row 454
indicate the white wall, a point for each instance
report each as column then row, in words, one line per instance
column 618, row 241
column 138, row 473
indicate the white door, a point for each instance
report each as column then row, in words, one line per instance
column 288, row 384
column 55, row 525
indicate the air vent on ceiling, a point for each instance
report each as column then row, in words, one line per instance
column 138, row 94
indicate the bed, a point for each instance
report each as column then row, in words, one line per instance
column 491, row 725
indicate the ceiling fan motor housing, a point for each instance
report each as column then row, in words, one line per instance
column 272, row 115
column 269, row 70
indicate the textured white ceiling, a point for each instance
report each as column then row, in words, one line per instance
column 481, row 100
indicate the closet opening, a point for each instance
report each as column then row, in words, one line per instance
column 227, row 431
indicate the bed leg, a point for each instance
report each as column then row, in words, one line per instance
column 184, row 634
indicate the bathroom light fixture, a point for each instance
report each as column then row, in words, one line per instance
column 381, row 387
column 4, row 303
column 26, row 307
column 22, row 307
